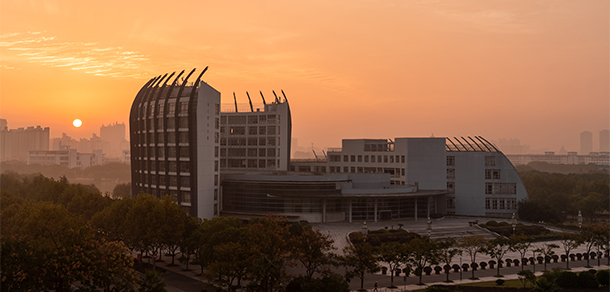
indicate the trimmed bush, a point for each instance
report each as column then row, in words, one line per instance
column 567, row 280
column 587, row 280
column 492, row 223
column 500, row 282
column 603, row 277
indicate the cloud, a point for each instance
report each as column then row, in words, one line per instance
column 91, row 58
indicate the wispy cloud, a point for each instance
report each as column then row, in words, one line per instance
column 91, row 58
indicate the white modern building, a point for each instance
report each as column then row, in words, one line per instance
column 237, row 163
column 66, row 157
column 469, row 176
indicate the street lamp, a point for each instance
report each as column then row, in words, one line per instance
column 429, row 228
column 579, row 219
column 365, row 230
column 513, row 221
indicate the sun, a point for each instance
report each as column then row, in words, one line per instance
column 77, row 123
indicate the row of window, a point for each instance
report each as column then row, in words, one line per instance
column 394, row 172
column 241, row 130
column 501, row 203
column 248, row 163
column 489, row 161
column 249, row 119
column 379, row 147
column 250, row 141
column 171, row 180
column 367, row 158
column 500, row 188
column 160, row 153
column 248, row 152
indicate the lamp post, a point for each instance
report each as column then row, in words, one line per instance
column 513, row 221
column 429, row 228
column 365, row 229
column 579, row 219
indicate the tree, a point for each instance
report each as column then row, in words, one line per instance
column 394, row 254
column 547, row 251
column 112, row 222
column 232, row 258
column 497, row 248
column 313, row 250
column 521, row 244
column 268, row 238
column 602, row 239
column 151, row 282
column 359, row 258
column 526, row 276
column 121, row 191
column 113, row 269
column 569, row 241
column 190, row 239
column 447, row 251
column 472, row 245
column 172, row 226
column 144, row 220
column 422, row 251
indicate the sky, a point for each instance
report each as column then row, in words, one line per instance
column 537, row 71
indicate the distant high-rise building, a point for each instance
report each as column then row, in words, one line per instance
column 113, row 136
column 15, row 143
column 586, row 142
column 604, row 141
column 3, row 124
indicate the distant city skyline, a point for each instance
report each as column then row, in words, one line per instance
column 537, row 71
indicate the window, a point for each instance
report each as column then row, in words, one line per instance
column 451, row 202
column 385, row 159
column 345, row 159
column 451, row 187
column 252, row 141
column 216, row 151
column 490, row 161
column 184, row 167
column 334, row 158
column 345, row 169
column 500, row 188
column 171, row 108
column 366, row 158
column 217, row 124
column 262, row 130
column 372, row 158
column 184, row 107
column 494, row 203
column 391, row 158
column 252, row 130
column 271, row 141
column 252, row 119
column 487, row 203
column 217, row 109
column 450, row 160
column 184, row 122
column 492, row 174
column 215, row 179
column 271, row 130
column 186, row 197
column 352, row 158
column 501, row 205
column 451, row 173
column 359, row 158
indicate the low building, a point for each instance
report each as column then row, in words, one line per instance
column 66, row 157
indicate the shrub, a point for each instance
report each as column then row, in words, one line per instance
column 500, row 282
column 526, row 276
column 587, row 280
column 437, row 289
column 603, row 277
column 567, row 280
column 492, row 223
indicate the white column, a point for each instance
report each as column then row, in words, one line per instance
column 375, row 210
column 415, row 208
column 323, row 210
column 350, row 210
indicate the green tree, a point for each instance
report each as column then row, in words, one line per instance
column 569, row 241
column 447, row 250
column 547, row 250
column 269, row 241
column 144, row 220
column 121, row 191
column 313, row 250
column 588, row 235
column 521, row 244
column 394, row 254
column 497, row 249
column 526, row 276
column 172, row 226
column 151, row 282
column 113, row 269
column 472, row 245
column 422, row 251
column 232, row 258
column 359, row 258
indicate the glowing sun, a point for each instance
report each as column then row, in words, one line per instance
column 77, row 123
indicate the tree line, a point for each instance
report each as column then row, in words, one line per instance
column 555, row 197
column 56, row 234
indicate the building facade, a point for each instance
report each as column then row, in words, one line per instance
column 15, row 144
column 66, row 157
column 586, row 142
column 469, row 175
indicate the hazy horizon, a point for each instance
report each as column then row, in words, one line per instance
column 534, row 71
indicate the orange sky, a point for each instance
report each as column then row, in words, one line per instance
column 533, row 70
